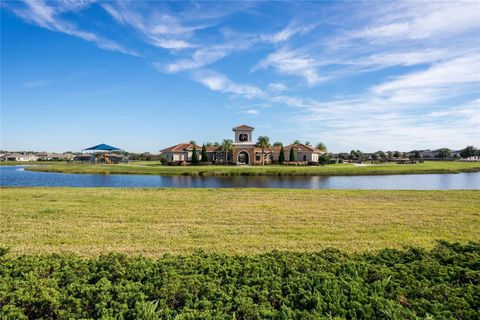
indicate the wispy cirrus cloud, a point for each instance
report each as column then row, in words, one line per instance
column 293, row 62
column 216, row 81
column 233, row 42
column 48, row 15
column 250, row 111
column 159, row 28
column 447, row 79
column 420, row 20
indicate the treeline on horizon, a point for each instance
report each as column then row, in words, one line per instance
column 443, row 153
column 441, row 283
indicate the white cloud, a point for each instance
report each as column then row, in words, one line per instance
column 234, row 42
column 46, row 16
column 250, row 111
column 426, row 19
column 199, row 58
column 159, row 29
column 292, row 63
column 277, row 87
column 446, row 79
column 294, row 28
column 218, row 82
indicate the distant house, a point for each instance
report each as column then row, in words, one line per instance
column 15, row 156
column 117, row 158
column 44, row 156
column 245, row 151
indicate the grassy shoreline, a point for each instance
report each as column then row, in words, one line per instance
column 328, row 170
column 153, row 222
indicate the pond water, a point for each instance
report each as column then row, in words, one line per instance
column 17, row 176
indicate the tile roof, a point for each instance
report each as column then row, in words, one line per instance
column 182, row 147
column 301, row 147
column 243, row 127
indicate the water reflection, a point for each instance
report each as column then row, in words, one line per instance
column 16, row 176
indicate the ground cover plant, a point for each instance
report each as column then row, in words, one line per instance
column 442, row 283
column 90, row 221
column 156, row 168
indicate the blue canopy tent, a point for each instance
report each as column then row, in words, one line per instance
column 101, row 147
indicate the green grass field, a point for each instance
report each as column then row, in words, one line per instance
column 329, row 170
column 233, row 221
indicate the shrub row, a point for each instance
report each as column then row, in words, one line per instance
column 442, row 283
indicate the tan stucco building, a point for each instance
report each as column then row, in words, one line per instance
column 245, row 151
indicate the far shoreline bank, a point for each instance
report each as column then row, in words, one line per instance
column 145, row 168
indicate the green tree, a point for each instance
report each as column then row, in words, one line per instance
column 296, row 141
column 468, row 152
column 322, row 147
column 353, row 155
column 324, row 159
column 277, row 144
column 263, row 142
column 308, row 144
column 163, row 159
column 194, row 155
column 443, row 153
column 281, row 156
column 227, row 147
column 193, row 142
column 204, row 154
column 291, row 156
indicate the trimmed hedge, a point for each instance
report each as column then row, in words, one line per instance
column 442, row 283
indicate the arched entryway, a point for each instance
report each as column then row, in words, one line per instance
column 243, row 157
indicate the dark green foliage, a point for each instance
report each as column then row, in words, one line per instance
column 194, row 155
column 443, row 283
column 444, row 153
column 281, row 156
column 291, row 156
column 324, row 159
column 204, row 154
column 469, row 151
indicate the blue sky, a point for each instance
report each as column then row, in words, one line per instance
column 146, row 75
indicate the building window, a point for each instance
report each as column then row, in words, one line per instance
column 258, row 157
column 304, row 157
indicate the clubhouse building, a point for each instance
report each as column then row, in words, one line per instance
column 245, row 151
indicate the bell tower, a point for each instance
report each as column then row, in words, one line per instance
column 243, row 135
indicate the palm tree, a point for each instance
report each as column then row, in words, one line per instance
column 263, row 142
column 296, row 141
column 227, row 147
column 322, row 147
column 277, row 144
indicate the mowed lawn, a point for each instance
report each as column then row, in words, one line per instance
column 234, row 221
column 269, row 170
